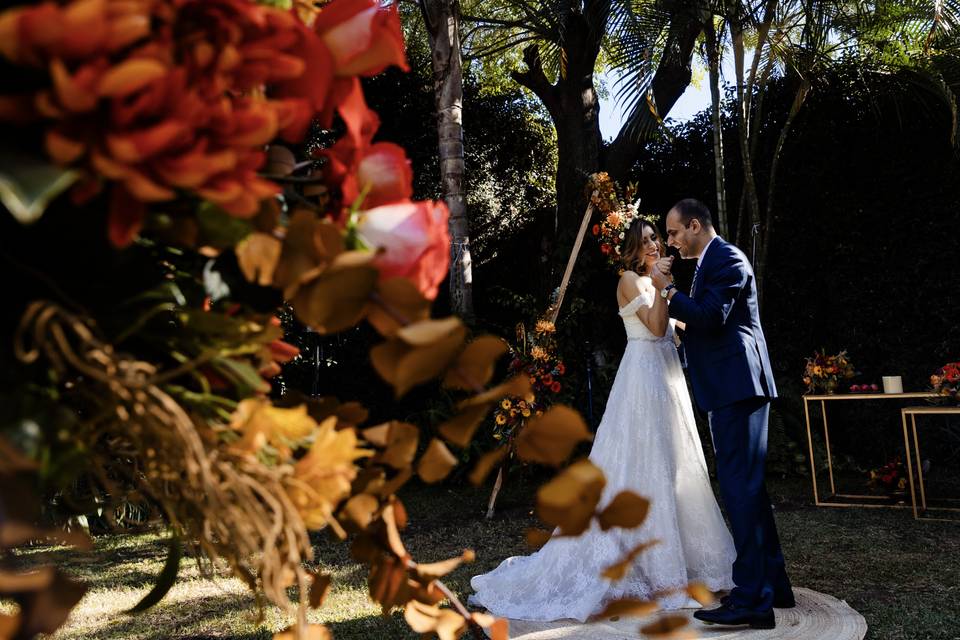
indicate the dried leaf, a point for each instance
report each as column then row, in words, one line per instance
column 302, row 253
column 258, row 255
column 312, row 632
column 336, row 299
column 497, row 628
column 669, row 626
column 699, row 592
column 393, row 484
column 435, row 570
column 486, row 464
column 474, row 367
column 628, row 607
column 570, row 499
column 359, row 511
column 319, row 589
column 515, row 386
column 388, row 583
column 551, row 438
column 421, row 617
column 393, row 533
column 351, row 414
column 536, row 538
column 399, row 439
column 620, row 569
column 436, row 462
column 459, row 430
column 26, row 581
column 418, row 352
column 626, row 510
column 401, row 303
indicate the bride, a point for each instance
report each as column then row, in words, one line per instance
column 647, row 442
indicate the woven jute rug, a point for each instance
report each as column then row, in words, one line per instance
column 817, row 616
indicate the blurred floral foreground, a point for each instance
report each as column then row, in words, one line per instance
column 143, row 141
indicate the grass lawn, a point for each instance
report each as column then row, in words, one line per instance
column 902, row 575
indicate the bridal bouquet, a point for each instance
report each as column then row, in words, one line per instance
column 825, row 372
column 946, row 381
column 616, row 216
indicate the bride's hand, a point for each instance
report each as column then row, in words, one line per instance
column 659, row 279
column 665, row 265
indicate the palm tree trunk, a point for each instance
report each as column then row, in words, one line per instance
column 713, row 59
column 442, row 18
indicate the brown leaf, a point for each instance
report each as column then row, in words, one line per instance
column 26, row 581
column 369, row 481
column 258, row 255
column 359, row 511
column 418, row 352
column 422, row 618
column 48, row 609
column 351, row 414
column 628, row 607
column 569, row 500
column 669, row 626
column 399, row 439
column 312, row 632
column 436, row 462
column 486, row 464
column 618, row 570
column 626, row 510
column 9, row 625
column 336, row 299
column 515, row 386
column 400, row 303
column 302, row 254
column 393, row 532
column 459, row 429
column 399, row 513
column 699, row 592
column 388, row 583
column 319, row 589
column 393, row 484
column 474, row 367
column 536, row 538
column 435, row 570
column 550, row 438
column 365, row 549
column 497, row 628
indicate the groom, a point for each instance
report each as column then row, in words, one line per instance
column 733, row 381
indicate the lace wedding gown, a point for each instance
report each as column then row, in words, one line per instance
column 647, row 442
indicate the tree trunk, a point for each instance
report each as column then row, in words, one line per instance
column 743, row 117
column 713, row 58
column 442, row 18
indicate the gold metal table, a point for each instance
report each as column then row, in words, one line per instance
column 912, row 413
column 844, row 499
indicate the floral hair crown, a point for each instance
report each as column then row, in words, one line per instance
column 616, row 216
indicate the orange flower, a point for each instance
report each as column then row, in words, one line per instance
column 166, row 97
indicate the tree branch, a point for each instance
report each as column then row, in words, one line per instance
column 669, row 82
column 536, row 80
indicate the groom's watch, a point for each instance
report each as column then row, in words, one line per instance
column 665, row 292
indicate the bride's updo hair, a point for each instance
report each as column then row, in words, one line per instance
column 633, row 245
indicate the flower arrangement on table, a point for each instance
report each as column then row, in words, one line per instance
column 890, row 477
column 946, row 381
column 543, row 366
column 616, row 216
column 825, row 372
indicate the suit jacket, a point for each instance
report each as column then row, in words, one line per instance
column 725, row 347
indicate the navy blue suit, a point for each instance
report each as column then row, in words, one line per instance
column 732, row 380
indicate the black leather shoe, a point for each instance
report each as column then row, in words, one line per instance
column 736, row 617
column 782, row 601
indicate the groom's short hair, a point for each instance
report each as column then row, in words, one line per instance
column 691, row 208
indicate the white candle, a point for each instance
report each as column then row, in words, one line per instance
column 892, row 384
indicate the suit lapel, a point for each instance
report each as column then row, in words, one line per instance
column 704, row 265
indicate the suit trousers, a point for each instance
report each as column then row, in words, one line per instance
column 740, row 440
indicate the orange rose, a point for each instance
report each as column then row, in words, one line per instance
column 363, row 37
column 415, row 241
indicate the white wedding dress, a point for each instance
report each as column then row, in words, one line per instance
column 647, row 442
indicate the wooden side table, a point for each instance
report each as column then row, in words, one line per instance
column 913, row 412
column 845, row 498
